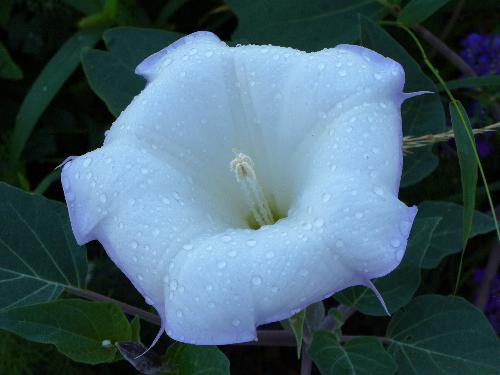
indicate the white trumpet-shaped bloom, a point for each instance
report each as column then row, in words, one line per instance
column 245, row 183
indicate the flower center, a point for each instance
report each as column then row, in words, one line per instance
column 243, row 167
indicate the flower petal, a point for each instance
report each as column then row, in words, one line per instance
column 324, row 130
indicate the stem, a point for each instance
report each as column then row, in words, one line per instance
column 489, row 276
column 126, row 308
column 305, row 363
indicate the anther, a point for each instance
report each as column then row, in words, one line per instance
column 243, row 168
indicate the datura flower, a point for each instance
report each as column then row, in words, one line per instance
column 245, row 183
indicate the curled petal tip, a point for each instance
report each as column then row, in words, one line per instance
column 148, row 67
column 373, row 288
column 409, row 95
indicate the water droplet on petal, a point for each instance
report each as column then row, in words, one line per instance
column 399, row 255
column 235, row 322
column 395, row 242
column 232, row 253
column 188, row 247
column 319, row 222
column 270, row 255
column 326, row 197
column 342, row 73
column 134, row 244
column 226, row 238
column 221, row 265
column 251, row 243
column 103, row 198
column 256, row 280
column 405, row 227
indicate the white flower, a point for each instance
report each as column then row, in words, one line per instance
column 314, row 142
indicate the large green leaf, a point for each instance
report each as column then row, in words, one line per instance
column 421, row 115
column 400, row 285
column 38, row 253
column 84, row 331
column 111, row 73
column 419, row 10
column 46, row 86
column 363, row 355
column 464, row 139
column 183, row 359
column 447, row 239
column 306, row 25
column 443, row 335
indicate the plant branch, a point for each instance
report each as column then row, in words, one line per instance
column 305, row 362
column 126, row 308
column 410, row 142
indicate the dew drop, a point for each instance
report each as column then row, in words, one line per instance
column 173, row 285
column 326, row 197
column 307, row 226
column 377, row 76
column 103, row 198
column 319, row 222
column 399, row 255
column 256, row 280
column 378, row 191
column 140, row 278
column 226, row 238
column 134, row 244
column 303, row 273
column 342, row 73
column 358, row 215
column 232, row 253
column 395, row 242
column 188, row 246
column 221, row 265
column 270, row 255
column 405, row 227
column 339, row 243
column 134, row 258
column 235, row 322
column 179, row 313
column 155, row 232
column 208, row 53
column 251, row 243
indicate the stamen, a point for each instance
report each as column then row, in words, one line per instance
column 243, row 168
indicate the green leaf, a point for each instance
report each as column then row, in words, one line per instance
column 83, row 331
column 421, row 115
column 492, row 80
column 306, row 25
column 135, row 325
column 46, row 86
column 443, row 335
column 363, row 355
column 399, row 286
column 419, row 10
column 111, row 73
column 464, row 140
column 183, row 359
column 111, row 79
column 296, row 325
column 38, row 253
column 447, row 239
column 8, row 68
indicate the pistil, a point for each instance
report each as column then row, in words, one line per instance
column 243, row 168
